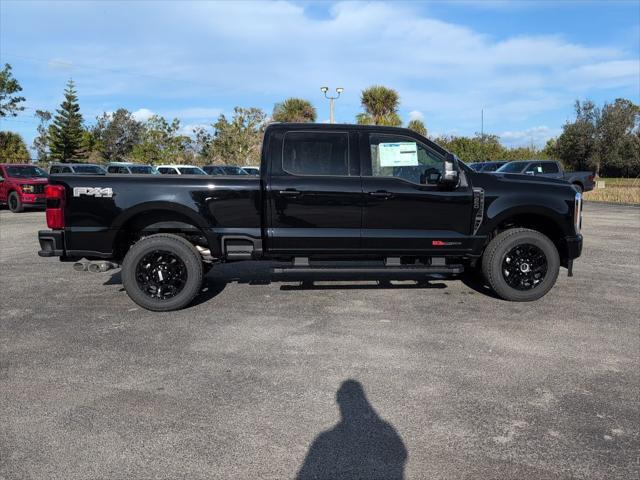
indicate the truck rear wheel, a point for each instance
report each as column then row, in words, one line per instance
column 162, row 272
column 15, row 205
column 521, row 265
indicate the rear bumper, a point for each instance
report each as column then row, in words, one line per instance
column 574, row 246
column 51, row 243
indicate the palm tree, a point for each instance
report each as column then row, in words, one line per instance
column 296, row 110
column 417, row 126
column 380, row 106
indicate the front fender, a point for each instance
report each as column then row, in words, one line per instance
column 549, row 208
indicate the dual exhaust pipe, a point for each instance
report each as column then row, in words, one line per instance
column 94, row 267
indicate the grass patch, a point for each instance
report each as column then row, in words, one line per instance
column 616, row 190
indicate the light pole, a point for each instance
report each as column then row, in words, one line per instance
column 324, row 90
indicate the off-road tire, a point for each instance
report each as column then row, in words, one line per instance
column 179, row 247
column 503, row 243
column 14, row 203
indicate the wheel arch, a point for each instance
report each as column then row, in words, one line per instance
column 161, row 217
column 539, row 219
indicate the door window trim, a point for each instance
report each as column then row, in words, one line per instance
column 342, row 132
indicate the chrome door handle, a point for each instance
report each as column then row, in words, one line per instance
column 289, row 192
column 381, row 194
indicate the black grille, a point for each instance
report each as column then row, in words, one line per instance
column 38, row 188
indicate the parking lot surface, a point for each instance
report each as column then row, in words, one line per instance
column 348, row 380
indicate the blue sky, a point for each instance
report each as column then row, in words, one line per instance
column 524, row 62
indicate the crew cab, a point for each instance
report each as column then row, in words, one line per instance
column 582, row 181
column 331, row 201
column 22, row 185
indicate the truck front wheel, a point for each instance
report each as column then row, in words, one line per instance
column 162, row 272
column 521, row 265
column 15, row 205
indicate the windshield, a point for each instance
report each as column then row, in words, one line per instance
column 511, row 167
column 88, row 169
column 191, row 171
column 26, row 171
column 141, row 169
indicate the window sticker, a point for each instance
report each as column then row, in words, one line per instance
column 399, row 154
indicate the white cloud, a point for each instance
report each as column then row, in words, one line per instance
column 537, row 136
column 416, row 115
column 143, row 114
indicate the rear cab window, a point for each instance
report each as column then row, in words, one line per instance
column 316, row 153
column 550, row 167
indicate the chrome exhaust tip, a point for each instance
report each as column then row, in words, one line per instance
column 101, row 267
column 80, row 266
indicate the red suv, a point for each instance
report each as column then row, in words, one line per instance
column 22, row 185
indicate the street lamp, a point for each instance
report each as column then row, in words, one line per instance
column 324, row 90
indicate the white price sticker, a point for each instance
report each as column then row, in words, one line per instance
column 399, row 154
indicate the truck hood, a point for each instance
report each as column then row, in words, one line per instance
column 33, row 180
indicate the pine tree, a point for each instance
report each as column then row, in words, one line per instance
column 65, row 134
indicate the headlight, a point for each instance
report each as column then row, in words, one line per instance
column 27, row 188
column 577, row 212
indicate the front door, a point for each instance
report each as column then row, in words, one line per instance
column 314, row 192
column 405, row 210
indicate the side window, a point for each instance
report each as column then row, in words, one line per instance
column 550, row 167
column 404, row 157
column 534, row 168
column 66, row 170
column 112, row 169
column 490, row 167
column 167, row 171
column 54, row 169
column 316, row 153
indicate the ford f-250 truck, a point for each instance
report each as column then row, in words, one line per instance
column 331, row 201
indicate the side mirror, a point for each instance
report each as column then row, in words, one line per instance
column 450, row 176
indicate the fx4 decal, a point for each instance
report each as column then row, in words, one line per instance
column 100, row 192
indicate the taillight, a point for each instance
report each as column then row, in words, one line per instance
column 55, row 206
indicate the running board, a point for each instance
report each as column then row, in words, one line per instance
column 397, row 272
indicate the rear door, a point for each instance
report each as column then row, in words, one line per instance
column 314, row 192
column 405, row 210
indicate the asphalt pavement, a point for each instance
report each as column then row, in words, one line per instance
column 332, row 380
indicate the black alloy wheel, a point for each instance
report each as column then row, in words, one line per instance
column 161, row 274
column 524, row 267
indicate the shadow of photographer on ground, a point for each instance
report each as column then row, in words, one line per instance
column 360, row 446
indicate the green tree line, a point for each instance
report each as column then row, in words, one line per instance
column 605, row 139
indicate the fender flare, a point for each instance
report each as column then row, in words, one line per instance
column 194, row 217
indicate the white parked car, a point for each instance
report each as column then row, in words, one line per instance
column 130, row 167
column 180, row 170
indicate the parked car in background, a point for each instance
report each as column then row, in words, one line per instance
column 180, row 170
column 582, row 181
column 252, row 170
column 224, row 170
column 486, row 166
column 22, row 185
column 77, row 169
column 130, row 168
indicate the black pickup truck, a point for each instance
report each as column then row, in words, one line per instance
column 331, row 202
